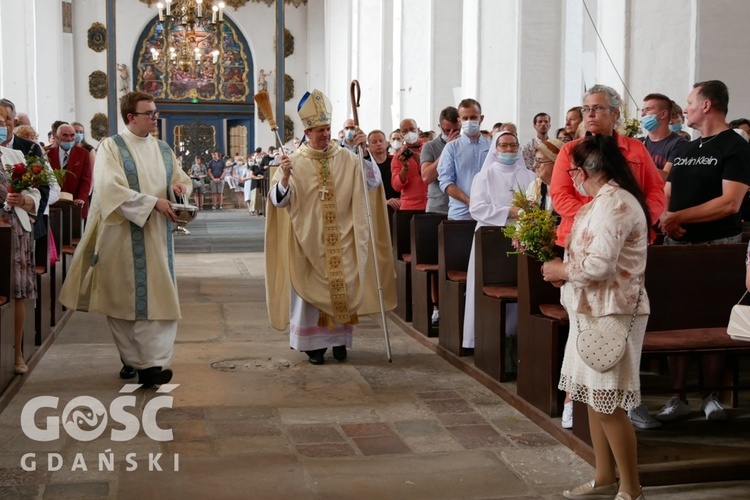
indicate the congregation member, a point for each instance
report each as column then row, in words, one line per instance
column 541, row 127
column 573, row 119
column 509, row 127
column 21, row 208
column 395, row 141
column 47, row 194
column 661, row 143
column 77, row 162
column 705, row 189
column 491, row 204
column 129, row 236
column 406, row 177
column 216, row 172
column 198, row 173
column 601, row 111
column 544, row 160
column 462, row 159
column 350, row 130
column 318, row 250
column 378, row 148
column 602, row 278
column 677, row 121
column 450, row 130
column 80, row 139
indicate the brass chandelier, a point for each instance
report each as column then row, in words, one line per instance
column 188, row 14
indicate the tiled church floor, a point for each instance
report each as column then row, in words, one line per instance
column 253, row 419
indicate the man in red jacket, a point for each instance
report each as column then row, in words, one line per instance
column 77, row 162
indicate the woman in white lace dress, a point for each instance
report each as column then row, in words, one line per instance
column 602, row 279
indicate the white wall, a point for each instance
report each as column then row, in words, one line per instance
column 36, row 66
column 722, row 50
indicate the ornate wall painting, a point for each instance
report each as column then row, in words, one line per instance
column 97, row 37
column 99, row 126
column 98, row 84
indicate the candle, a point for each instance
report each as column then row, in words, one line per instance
column 215, row 55
column 200, row 7
column 169, row 7
column 215, row 9
column 160, row 6
column 221, row 11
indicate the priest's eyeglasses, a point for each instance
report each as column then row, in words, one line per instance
column 152, row 115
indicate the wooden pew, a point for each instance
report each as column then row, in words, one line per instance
column 424, row 267
column 56, row 270
column 496, row 286
column 542, row 333
column 691, row 291
column 43, row 309
column 7, row 315
column 400, row 224
column 455, row 238
column 66, row 234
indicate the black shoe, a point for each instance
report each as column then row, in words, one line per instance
column 127, row 372
column 339, row 352
column 316, row 356
column 154, row 376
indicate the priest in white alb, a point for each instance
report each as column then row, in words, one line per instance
column 124, row 265
column 320, row 273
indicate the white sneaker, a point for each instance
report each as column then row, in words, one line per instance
column 435, row 317
column 712, row 408
column 674, row 409
column 640, row 418
column 567, row 416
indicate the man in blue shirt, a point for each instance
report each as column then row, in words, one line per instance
column 462, row 159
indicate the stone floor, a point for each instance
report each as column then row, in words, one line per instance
column 251, row 418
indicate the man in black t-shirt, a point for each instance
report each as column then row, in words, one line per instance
column 662, row 144
column 709, row 176
column 705, row 189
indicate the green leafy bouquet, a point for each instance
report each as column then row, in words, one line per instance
column 533, row 233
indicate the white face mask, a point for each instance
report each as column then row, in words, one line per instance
column 579, row 187
column 396, row 145
column 411, row 137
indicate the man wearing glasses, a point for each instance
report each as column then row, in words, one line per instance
column 123, row 266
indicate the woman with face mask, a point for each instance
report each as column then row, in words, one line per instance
column 602, row 279
column 490, row 204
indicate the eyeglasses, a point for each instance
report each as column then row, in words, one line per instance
column 152, row 115
column 507, row 146
column 541, row 162
column 596, row 109
column 572, row 172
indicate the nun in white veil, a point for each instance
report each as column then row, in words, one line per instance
column 504, row 173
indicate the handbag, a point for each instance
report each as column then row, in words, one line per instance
column 601, row 349
column 739, row 321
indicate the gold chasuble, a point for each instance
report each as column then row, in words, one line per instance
column 321, row 242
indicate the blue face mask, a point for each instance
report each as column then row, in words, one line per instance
column 470, row 127
column 676, row 127
column 349, row 134
column 79, row 137
column 67, row 145
column 649, row 123
column 3, row 134
column 507, row 158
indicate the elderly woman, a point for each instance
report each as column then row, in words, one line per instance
column 602, row 278
column 544, row 159
column 19, row 206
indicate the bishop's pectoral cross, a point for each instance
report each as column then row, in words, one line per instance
column 323, row 191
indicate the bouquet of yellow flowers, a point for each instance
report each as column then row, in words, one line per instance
column 533, row 233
